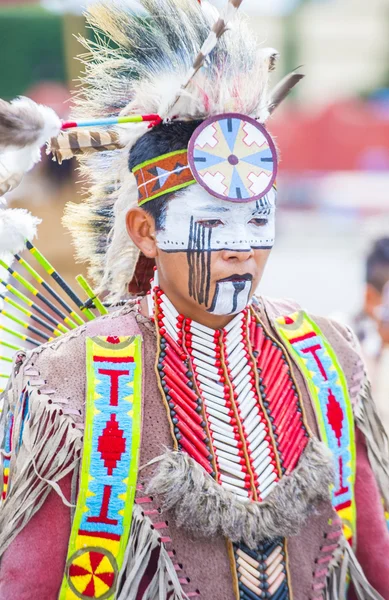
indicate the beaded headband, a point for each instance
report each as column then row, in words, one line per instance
column 232, row 156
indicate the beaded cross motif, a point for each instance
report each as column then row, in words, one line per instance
column 235, row 409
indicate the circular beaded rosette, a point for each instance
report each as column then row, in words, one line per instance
column 92, row 573
column 233, row 157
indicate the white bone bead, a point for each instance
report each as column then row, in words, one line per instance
column 212, row 398
column 261, row 457
column 217, row 407
column 230, row 346
column 218, row 415
column 247, row 407
column 204, row 349
column 234, row 489
column 216, row 429
column 245, row 381
column 256, row 427
column 232, row 481
column 203, row 357
column 228, row 457
column 254, row 445
column 235, row 321
column 239, row 349
column 211, row 390
column 225, row 440
column 267, row 473
column 254, row 413
column 209, row 374
column 228, row 449
column 266, row 492
column 239, row 368
column 259, row 450
column 203, row 339
column 261, row 466
column 212, row 384
column 216, row 421
column 242, row 375
column 205, row 366
column 202, row 328
column 229, row 468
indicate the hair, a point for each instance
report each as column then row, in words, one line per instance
column 159, row 141
column 377, row 264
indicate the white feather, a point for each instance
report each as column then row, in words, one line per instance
column 16, row 226
column 16, row 161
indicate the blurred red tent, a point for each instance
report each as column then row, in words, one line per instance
column 346, row 136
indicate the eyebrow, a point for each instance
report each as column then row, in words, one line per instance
column 213, row 209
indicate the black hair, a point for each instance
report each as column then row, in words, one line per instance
column 377, row 264
column 162, row 139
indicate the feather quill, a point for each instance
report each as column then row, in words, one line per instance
column 283, row 89
column 24, row 128
column 16, row 226
column 218, row 30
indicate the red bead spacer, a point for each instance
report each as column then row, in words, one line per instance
column 187, row 328
column 222, row 379
column 218, row 363
column 183, row 356
column 180, row 318
column 240, row 445
column 159, row 293
column 162, row 331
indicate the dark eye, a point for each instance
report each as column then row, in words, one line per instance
column 210, row 223
column 259, row 221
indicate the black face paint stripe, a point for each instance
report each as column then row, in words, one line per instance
column 209, row 256
column 239, row 286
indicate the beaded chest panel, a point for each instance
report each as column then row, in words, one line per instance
column 234, row 407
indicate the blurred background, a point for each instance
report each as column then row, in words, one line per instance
column 333, row 135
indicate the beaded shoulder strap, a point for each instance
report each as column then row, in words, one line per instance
column 102, row 520
column 329, row 393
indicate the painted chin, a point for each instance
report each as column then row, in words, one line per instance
column 232, row 295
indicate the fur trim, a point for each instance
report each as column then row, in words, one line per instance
column 25, row 123
column 24, row 128
column 141, row 72
column 207, row 509
column 16, row 226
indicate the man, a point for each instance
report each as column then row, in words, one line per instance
column 371, row 325
column 172, row 448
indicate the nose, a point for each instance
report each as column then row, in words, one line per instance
column 238, row 256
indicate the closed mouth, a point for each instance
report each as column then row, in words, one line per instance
column 237, row 278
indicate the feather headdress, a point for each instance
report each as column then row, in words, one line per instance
column 146, row 64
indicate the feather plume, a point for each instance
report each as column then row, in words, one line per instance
column 16, row 226
column 24, row 128
column 218, row 29
column 83, row 142
column 283, row 89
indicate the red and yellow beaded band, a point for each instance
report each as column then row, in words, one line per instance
column 162, row 175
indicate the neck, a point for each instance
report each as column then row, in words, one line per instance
column 197, row 315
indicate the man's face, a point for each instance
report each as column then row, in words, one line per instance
column 211, row 252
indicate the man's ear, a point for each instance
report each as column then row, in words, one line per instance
column 141, row 229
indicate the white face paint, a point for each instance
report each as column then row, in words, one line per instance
column 199, row 224
column 228, row 225
column 231, row 296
